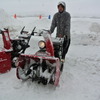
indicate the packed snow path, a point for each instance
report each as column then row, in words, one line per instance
column 80, row 80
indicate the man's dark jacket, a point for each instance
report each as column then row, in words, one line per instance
column 62, row 22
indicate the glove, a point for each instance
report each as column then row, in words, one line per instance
column 49, row 32
column 60, row 36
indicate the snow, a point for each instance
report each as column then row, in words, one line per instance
column 80, row 79
column 6, row 21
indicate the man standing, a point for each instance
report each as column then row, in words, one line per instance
column 61, row 20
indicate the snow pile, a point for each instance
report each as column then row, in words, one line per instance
column 95, row 27
column 85, row 31
column 7, row 21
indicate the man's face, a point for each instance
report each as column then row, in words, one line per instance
column 60, row 8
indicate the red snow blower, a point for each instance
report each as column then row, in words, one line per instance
column 11, row 50
column 42, row 64
column 35, row 56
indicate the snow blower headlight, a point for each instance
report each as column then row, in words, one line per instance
column 41, row 44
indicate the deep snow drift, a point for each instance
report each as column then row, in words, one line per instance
column 80, row 79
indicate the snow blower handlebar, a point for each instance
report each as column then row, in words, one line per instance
column 47, row 31
column 22, row 31
column 0, row 31
column 32, row 33
column 42, row 31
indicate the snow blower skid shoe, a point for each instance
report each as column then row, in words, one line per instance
column 42, row 65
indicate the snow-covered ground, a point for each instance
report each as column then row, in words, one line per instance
column 80, row 79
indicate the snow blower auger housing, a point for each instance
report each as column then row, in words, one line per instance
column 42, row 65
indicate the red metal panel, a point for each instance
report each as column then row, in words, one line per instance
column 49, row 44
column 5, row 62
column 6, row 40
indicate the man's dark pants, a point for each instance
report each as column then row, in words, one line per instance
column 66, row 45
